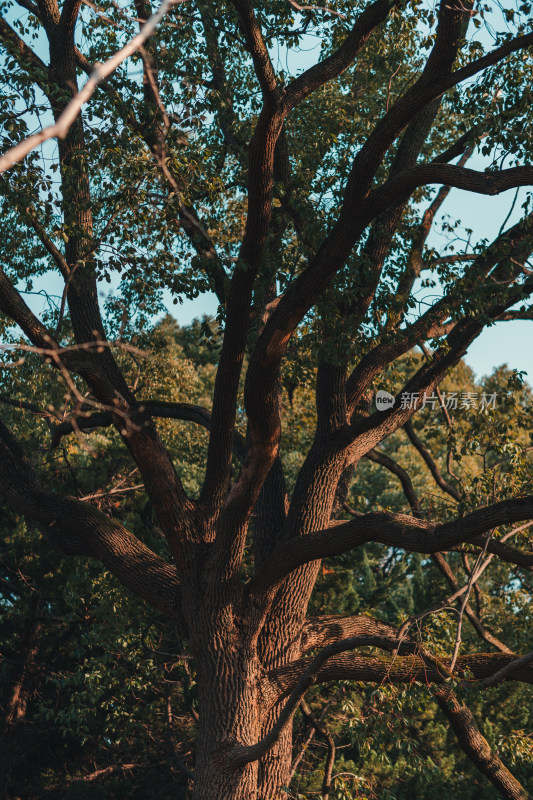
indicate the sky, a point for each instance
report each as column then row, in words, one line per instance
column 508, row 343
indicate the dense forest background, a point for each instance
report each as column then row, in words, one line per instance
column 108, row 689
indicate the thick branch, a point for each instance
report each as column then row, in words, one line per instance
column 69, row 15
column 340, row 60
column 48, row 13
column 257, row 49
column 400, row 669
column 508, row 670
column 76, row 528
column 394, row 530
column 242, row 754
column 356, row 213
column 506, row 553
column 489, row 183
column 28, row 60
column 330, row 628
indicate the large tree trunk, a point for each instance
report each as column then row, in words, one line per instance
column 275, row 766
column 280, row 639
column 229, row 714
column 228, row 676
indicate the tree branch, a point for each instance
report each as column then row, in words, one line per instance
column 77, row 528
column 69, row 15
column 326, row 735
column 258, row 50
column 333, row 66
column 488, row 183
column 505, row 553
column 499, row 259
column 394, row 530
column 408, row 489
column 173, row 507
column 476, row 746
column 508, row 670
column 430, row 463
column 61, row 127
column 330, row 628
column 241, row 754
column 356, row 213
column 382, row 670
column 24, row 55
column 478, row 626
column 29, row 6
column 239, row 299
column 187, row 412
column 48, row 13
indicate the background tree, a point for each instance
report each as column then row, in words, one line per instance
column 299, row 200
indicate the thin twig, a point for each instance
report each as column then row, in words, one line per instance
column 298, row 7
column 71, row 111
column 473, row 577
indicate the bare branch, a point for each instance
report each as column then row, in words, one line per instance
column 326, row 735
column 408, row 489
column 431, row 465
column 187, row 412
column 472, row 578
column 56, row 254
column 101, row 71
column 331, row 11
column 480, row 629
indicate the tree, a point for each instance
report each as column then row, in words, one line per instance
column 297, row 201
